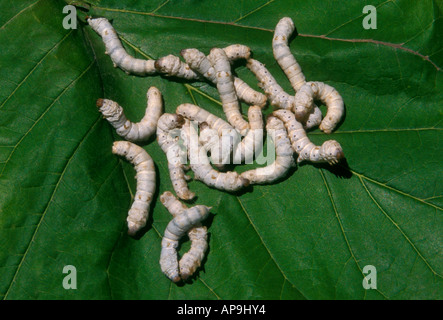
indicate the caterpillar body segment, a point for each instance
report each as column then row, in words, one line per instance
column 133, row 131
column 182, row 223
column 200, row 63
column 168, row 135
column 202, row 168
column 145, row 175
column 192, row 259
column 117, row 53
column 252, row 143
column 326, row 94
column 284, row 159
column 330, row 151
column 226, row 89
column 283, row 31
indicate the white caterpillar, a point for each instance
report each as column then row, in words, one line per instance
column 131, row 131
column 177, row 157
column 330, row 151
column 198, row 235
column 326, row 94
column 201, row 64
column 175, row 230
column 284, row 29
column 225, row 87
column 115, row 50
column 144, row 166
column 228, row 136
column 284, row 159
column 277, row 96
column 306, row 92
column 201, row 166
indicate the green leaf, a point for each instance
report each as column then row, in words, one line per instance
column 64, row 196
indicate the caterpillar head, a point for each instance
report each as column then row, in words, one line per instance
column 120, row 147
column 304, row 101
column 168, row 65
column 332, row 152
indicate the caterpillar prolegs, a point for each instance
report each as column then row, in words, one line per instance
column 185, row 221
column 145, row 175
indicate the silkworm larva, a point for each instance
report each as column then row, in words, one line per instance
column 132, row 131
column 198, row 62
column 176, row 155
column 115, row 50
column 201, row 166
column 192, row 259
column 283, row 31
column 326, row 94
column 228, row 136
column 284, row 159
column 175, row 230
column 226, row 89
column 330, row 151
column 145, row 175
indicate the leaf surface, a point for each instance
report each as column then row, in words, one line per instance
column 64, row 197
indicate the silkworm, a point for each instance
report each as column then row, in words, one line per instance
column 117, row 53
column 145, row 175
column 175, row 230
column 198, row 235
column 176, row 154
column 330, row 151
column 228, row 136
column 198, row 62
column 133, row 131
column 201, row 166
column 226, row 90
column 326, row 94
column 283, row 31
column 284, row 159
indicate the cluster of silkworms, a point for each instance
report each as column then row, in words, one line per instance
column 194, row 139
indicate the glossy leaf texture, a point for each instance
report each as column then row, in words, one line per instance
column 64, row 196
